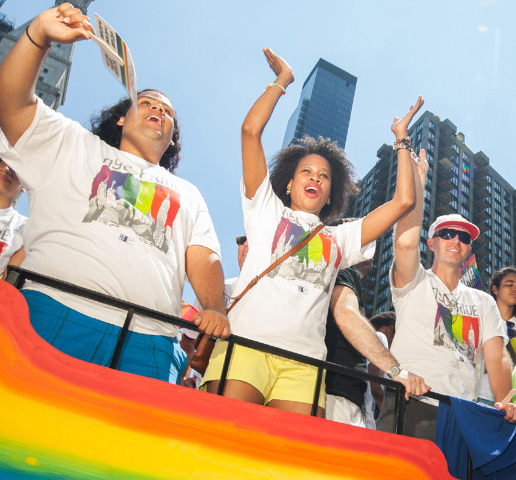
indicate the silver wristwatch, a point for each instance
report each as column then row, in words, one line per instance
column 393, row 371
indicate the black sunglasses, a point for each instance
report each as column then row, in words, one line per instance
column 450, row 233
column 241, row 240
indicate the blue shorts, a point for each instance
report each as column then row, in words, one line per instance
column 94, row 341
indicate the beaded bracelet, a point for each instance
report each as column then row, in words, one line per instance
column 275, row 85
column 405, row 144
column 46, row 47
column 402, row 143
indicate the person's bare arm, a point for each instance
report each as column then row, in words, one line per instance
column 407, row 232
column 254, row 165
column 16, row 260
column 376, row 388
column 205, row 274
column 382, row 218
column 20, row 69
column 498, row 365
column 355, row 327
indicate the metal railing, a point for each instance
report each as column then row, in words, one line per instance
column 16, row 276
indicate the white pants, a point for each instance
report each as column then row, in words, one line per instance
column 342, row 410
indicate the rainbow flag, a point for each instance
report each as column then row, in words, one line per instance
column 469, row 274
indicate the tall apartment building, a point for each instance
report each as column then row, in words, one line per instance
column 459, row 181
column 324, row 105
column 53, row 79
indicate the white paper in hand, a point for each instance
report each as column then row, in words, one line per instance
column 116, row 55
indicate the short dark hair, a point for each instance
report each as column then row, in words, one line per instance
column 104, row 125
column 383, row 319
column 496, row 281
column 285, row 163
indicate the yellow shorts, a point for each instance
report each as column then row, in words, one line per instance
column 277, row 378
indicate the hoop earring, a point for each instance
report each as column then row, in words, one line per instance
column 288, row 191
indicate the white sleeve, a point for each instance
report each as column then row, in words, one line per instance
column 494, row 326
column 203, row 231
column 351, row 244
column 403, row 291
column 264, row 204
column 39, row 151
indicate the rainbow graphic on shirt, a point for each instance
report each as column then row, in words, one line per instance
column 121, row 199
column 316, row 262
column 456, row 331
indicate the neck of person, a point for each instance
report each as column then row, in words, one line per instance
column 506, row 311
column 448, row 274
column 6, row 202
column 150, row 154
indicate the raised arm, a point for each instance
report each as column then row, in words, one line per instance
column 382, row 218
column 355, row 327
column 407, row 232
column 254, row 165
column 20, row 69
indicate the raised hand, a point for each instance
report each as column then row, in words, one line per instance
column 281, row 68
column 422, row 165
column 400, row 126
column 64, row 24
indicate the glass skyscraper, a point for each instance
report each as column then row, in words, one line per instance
column 324, row 106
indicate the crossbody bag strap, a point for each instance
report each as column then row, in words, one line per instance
column 273, row 265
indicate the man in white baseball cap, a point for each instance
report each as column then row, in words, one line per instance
column 442, row 326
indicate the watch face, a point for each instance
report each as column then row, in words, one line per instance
column 394, row 371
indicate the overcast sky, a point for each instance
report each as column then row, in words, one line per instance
column 459, row 54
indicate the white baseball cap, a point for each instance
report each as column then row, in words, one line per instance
column 453, row 220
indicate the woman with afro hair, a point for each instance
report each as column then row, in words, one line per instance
column 308, row 185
